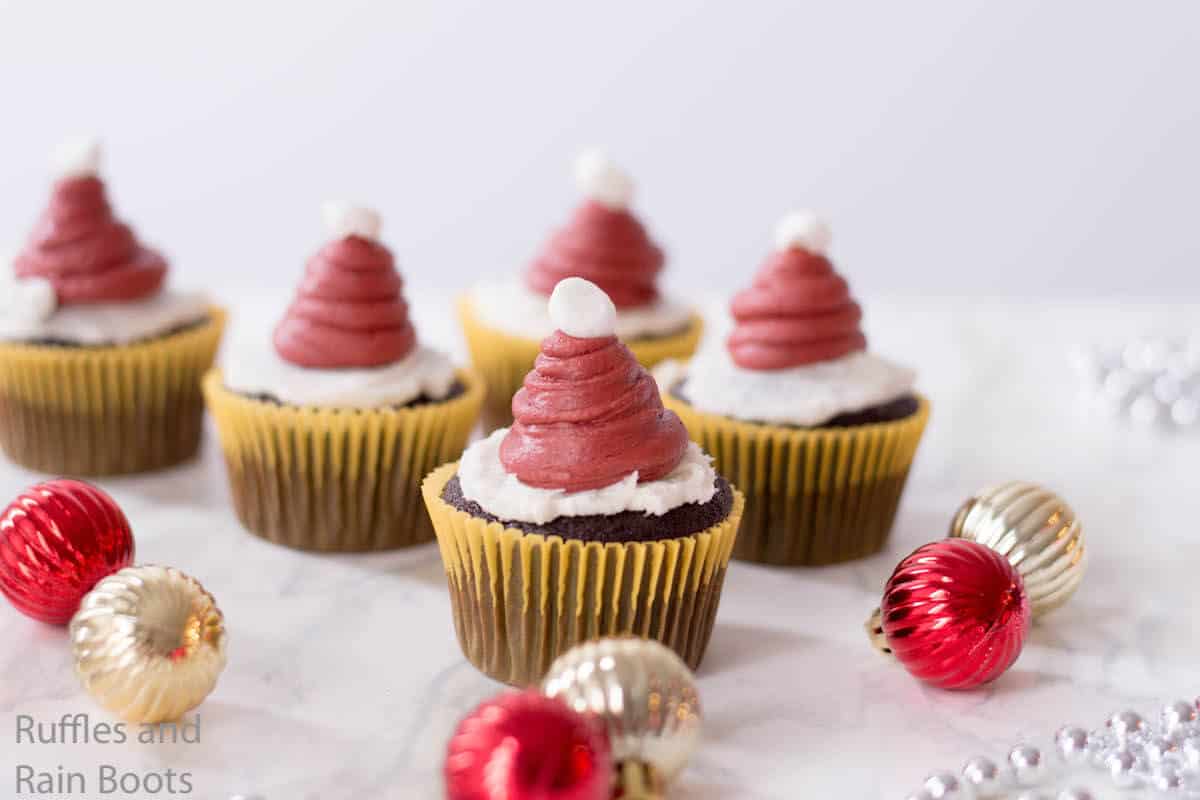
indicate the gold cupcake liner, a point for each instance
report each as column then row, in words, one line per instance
column 111, row 410
column 337, row 480
column 520, row 600
column 813, row 496
column 504, row 359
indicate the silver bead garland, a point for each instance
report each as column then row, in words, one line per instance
column 1162, row 758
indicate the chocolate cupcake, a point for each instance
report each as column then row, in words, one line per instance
column 603, row 242
column 591, row 516
column 328, row 433
column 817, row 431
column 100, row 365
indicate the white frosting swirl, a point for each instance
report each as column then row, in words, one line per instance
column 484, row 481
column 807, row 395
column 29, row 300
column 423, row 372
column 510, row 306
column 97, row 324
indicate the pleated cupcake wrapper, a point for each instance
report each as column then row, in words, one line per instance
column 109, row 410
column 520, row 599
column 337, row 479
column 813, row 497
column 504, row 359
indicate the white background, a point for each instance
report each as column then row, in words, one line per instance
column 1016, row 148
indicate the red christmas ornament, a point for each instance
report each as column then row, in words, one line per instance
column 955, row 614
column 57, row 540
column 524, row 746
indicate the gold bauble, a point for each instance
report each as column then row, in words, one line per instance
column 646, row 697
column 1036, row 530
column 149, row 643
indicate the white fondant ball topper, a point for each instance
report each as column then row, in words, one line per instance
column 346, row 219
column 581, row 309
column 805, row 230
column 77, row 157
column 27, row 299
column 603, row 181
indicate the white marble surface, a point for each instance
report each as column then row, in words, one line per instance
column 345, row 678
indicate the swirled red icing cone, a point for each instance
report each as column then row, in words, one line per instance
column 602, row 242
column 349, row 310
column 589, row 415
column 80, row 247
column 798, row 310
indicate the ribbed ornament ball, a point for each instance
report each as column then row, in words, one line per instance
column 57, row 539
column 641, row 691
column 149, row 643
column 525, row 746
column 955, row 614
column 1036, row 530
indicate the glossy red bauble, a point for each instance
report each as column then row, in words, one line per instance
column 57, row 540
column 524, row 746
column 955, row 614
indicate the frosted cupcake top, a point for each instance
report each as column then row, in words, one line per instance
column 797, row 354
column 591, row 435
column 346, row 340
column 348, row 310
column 603, row 242
column 83, row 277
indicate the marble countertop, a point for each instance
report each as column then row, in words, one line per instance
column 345, row 678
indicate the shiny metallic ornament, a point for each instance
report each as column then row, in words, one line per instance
column 1167, row 779
column 149, row 643
column 1027, row 765
column 943, row 786
column 646, row 697
column 1122, row 767
column 1157, row 749
column 57, row 539
column 1036, row 530
column 1177, row 715
column 1075, row 793
column 982, row 775
column 1126, row 725
column 955, row 614
column 1071, row 742
column 874, row 628
column 525, row 746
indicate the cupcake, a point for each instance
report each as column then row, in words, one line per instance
column 100, row 364
column 328, row 431
column 603, row 242
column 817, row 431
column 591, row 516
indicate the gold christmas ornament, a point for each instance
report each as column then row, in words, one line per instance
column 874, row 629
column 1036, row 530
column 149, row 643
column 646, row 697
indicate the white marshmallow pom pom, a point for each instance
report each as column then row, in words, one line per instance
column 77, row 157
column 805, row 230
column 603, row 181
column 346, row 219
column 581, row 309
